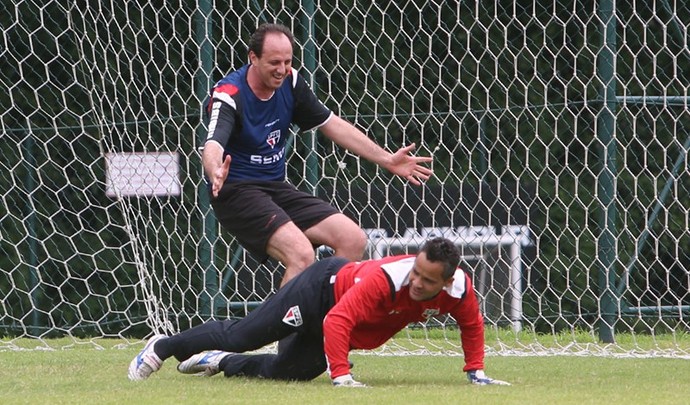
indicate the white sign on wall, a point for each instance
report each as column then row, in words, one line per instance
column 142, row 174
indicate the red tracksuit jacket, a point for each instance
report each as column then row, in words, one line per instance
column 373, row 304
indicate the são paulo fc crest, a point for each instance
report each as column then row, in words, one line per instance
column 273, row 138
column 293, row 317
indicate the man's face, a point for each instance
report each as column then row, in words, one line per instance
column 275, row 62
column 426, row 279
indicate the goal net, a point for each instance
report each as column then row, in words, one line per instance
column 559, row 132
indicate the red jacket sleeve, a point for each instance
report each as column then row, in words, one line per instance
column 471, row 324
column 361, row 300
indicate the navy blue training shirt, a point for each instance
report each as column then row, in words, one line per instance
column 254, row 131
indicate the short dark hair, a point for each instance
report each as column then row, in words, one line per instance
column 444, row 251
column 256, row 42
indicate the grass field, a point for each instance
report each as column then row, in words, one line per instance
column 85, row 375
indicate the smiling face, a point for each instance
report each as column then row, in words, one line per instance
column 269, row 70
column 426, row 278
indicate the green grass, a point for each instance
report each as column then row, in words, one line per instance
column 85, row 375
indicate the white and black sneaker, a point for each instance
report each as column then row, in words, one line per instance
column 205, row 363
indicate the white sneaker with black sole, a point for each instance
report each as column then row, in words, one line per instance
column 147, row 361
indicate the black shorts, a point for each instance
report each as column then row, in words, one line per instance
column 252, row 211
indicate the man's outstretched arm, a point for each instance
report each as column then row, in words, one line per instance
column 400, row 163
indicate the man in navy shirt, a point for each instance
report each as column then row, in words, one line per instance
column 251, row 112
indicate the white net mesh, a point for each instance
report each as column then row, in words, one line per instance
column 559, row 132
